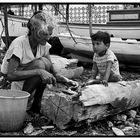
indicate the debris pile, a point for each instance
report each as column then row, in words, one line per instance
column 123, row 124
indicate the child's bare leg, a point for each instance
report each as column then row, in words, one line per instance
column 114, row 78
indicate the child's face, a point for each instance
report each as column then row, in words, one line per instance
column 99, row 46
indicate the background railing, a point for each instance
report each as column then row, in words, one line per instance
column 78, row 13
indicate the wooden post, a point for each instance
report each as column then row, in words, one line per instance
column 40, row 6
column 35, row 7
column 56, row 9
column 22, row 10
column 67, row 13
column 6, row 26
column 90, row 19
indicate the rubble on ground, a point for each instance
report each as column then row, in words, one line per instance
column 123, row 124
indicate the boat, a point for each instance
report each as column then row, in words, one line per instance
column 121, row 24
column 127, row 51
column 131, row 31
column 17, row 26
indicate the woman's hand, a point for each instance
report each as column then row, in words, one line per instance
column 62, row 79
column 92, row 81
column 73, row 83
column 47, row 77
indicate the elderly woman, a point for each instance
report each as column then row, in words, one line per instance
column 27, row 62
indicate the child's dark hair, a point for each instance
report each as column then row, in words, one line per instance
column 101, row 36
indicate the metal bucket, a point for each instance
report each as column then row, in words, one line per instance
column 13, row 104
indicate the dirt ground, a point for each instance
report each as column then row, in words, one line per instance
column 130, row 126
column 42, row 127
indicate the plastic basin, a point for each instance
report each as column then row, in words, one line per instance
column 13, row 104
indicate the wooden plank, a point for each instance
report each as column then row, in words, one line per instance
column 61, row 108
column 124, row 92
column 58, row 107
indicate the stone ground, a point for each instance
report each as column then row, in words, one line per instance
column 127, row 122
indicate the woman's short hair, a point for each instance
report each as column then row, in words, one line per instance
column 40, row 21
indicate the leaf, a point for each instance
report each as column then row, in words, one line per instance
column 117, row 131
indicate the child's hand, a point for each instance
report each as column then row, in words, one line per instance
column 104, row 82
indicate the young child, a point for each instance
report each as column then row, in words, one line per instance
column 105, row 62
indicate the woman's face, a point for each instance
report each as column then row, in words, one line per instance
column 42, row 36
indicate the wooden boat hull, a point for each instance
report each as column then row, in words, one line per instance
column 131, row 31
column 127, row 52
column 18, row 26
